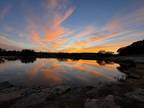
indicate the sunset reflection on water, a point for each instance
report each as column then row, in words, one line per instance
column 51, row 72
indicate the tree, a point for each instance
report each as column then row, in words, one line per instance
column 27, row 52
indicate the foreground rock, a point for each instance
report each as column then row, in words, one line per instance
column 107, row 102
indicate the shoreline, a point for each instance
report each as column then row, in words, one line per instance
column 115, row 58
column 122, row 94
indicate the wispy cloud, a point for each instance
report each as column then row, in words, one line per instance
column 120, row 31
column 46, row 31
column 53, row 28
column 7, row 43
column 132, row 21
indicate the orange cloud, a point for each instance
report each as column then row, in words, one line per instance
column 126, row 29
column 107, row 47
column 103, row 37
column 51, row 35
column 87, row 42
column 54, row 34
column 51, row 32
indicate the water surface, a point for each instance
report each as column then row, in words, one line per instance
column 52, row 72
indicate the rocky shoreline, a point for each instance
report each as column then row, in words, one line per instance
column 109, row 96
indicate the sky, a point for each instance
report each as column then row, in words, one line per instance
column 70, row 25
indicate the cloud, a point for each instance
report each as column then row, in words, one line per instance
column 107, row 47
column 46, row 31
column 53, row 28
column 87, row 31
column 107, row 41
column 6, row 43
column 123, row 30
column 88, row 36
column 132, row 21
column 53, row 3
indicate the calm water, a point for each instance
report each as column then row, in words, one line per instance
column 51, row 72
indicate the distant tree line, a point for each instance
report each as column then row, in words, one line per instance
column 25, row 52
column 62, row 56
column 133, row 49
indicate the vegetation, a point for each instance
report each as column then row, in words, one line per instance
column 74, row 56
column 135, row 48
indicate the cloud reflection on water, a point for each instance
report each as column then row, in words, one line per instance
column 56, row 72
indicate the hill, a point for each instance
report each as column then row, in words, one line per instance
column 136, row 48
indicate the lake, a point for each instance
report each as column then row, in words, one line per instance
column 29, row 82
column 53, row 72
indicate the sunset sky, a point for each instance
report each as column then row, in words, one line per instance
column 70, row 25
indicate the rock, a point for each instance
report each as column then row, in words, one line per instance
column 46, row 90
column 107, row 102
column 89, row 87
column 137, row 95
column 66, row 91
column 56, row 92
column 59, row 90
column 5, row 84
column 8, row 90
column 99, row 92
column 92, row 93
column 33, row 99
column 29, row 91
column 9, row 96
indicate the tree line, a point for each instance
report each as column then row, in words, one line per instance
column 133, row 49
